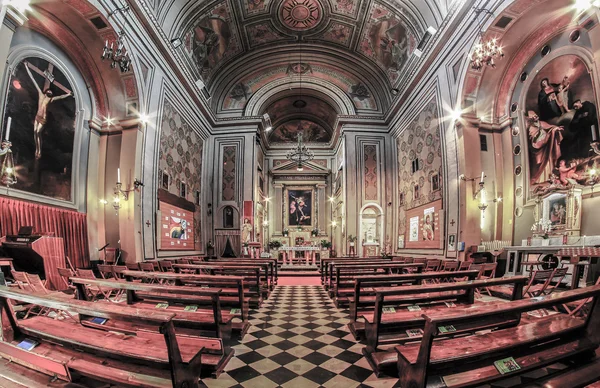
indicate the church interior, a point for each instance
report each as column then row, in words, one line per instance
column 299, row 193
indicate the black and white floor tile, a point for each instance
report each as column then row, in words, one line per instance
column 298, row 339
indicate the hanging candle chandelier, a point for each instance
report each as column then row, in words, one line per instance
column 301, row 154
column 486, row 52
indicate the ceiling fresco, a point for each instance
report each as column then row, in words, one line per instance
column 303, row 105
column 361, row 95
column 288, row 132
column 378, row 36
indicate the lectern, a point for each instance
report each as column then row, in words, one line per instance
column 37, row 254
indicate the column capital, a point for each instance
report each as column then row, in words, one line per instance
column 14, row 17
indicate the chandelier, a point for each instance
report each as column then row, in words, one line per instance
column 301, row 154
column 485, row 52
column 117, row 55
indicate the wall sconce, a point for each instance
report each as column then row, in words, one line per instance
column 481, row 184
column 124, row 194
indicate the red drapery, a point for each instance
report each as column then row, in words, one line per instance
column 68, row 224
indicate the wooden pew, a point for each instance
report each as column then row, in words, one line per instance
column 469, row 361
column 251, row 275
column 391, row 327
column 342, row 278
column 208, row 319
column 580, row 375
column 327, row 264
column 67, row 349
column 233, row 291
column 273, row 268
column 364, row 295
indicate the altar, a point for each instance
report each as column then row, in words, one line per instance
column 308, row 253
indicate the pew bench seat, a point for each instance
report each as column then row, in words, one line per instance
column 579, row 376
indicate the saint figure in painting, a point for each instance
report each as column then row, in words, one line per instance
column 584, row 122
column 45, row 98
column 299, row 211
column 544, row 141
column 428, row 228
column 547, row 101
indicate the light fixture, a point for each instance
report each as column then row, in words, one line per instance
column 19, row 5
column 267, row 122
column 331, row 199
column 144, row 118
column 485, row 52
column 301, row 154
column 123, row 194
column 265, row 223
column 103, row 201
column 118, row 56
column 456, row 114
column 267, row 199
column 584, row 5
column 176, row 42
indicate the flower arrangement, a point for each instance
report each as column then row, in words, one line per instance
column 285, row 232
column 325, row 244
column 542, row 226
column 274, row 244
column 315, row 232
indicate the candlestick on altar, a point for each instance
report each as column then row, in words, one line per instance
column 7, row 135
column 118, row 175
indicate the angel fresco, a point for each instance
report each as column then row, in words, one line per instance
column 391, row 42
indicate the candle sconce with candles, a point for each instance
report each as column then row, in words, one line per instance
column 8, row 174
column 121, row 194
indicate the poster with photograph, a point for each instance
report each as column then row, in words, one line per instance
column 176, row 228
column 401, row 242
column 428, row 224
column 452, row 243
column 414, row 229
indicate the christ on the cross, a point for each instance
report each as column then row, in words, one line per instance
column 45, row 98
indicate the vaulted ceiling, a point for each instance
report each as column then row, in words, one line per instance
column 350, row 53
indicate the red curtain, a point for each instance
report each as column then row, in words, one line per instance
column 68, row 224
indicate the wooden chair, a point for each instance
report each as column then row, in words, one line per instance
column 581, row 306
column 118, row 271
column 106, row 271
column 432, row 265
column 21, row 281
column 465, row 265
column 147, row 267
column 166, row 266
column 110, row 256
column 65, row 275
column 538, row 282
column 450, row 266
column 93, row 292
column 132, row 266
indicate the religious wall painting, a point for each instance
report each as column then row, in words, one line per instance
column 254, row 7
column 561, row 121
column 211, row 39
column 362, row 98
column 345, row 7
column 300, row 207
column 387, row 40
column 307, row 105
column 42, row 111
column 338, row 33
column 262, row 33
column 288, row 132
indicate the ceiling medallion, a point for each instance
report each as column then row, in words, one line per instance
column 299, row 104
column 300, row 15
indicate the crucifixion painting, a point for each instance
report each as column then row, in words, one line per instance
column 45, row 98
column 43, row 113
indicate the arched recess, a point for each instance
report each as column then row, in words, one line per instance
column 371, row 225
column 334, row 95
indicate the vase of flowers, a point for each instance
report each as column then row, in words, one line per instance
column 325, row 244
column 352, row 240
column 285, row 232
column 542, row 228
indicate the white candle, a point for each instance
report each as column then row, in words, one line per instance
column 118, row 175
column 594, row 134
column 6, row 137
column 482, row 177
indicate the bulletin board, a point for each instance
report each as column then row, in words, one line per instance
column 425, row 226
column 176, row 228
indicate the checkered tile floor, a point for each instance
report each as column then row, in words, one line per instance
column 298, row 339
